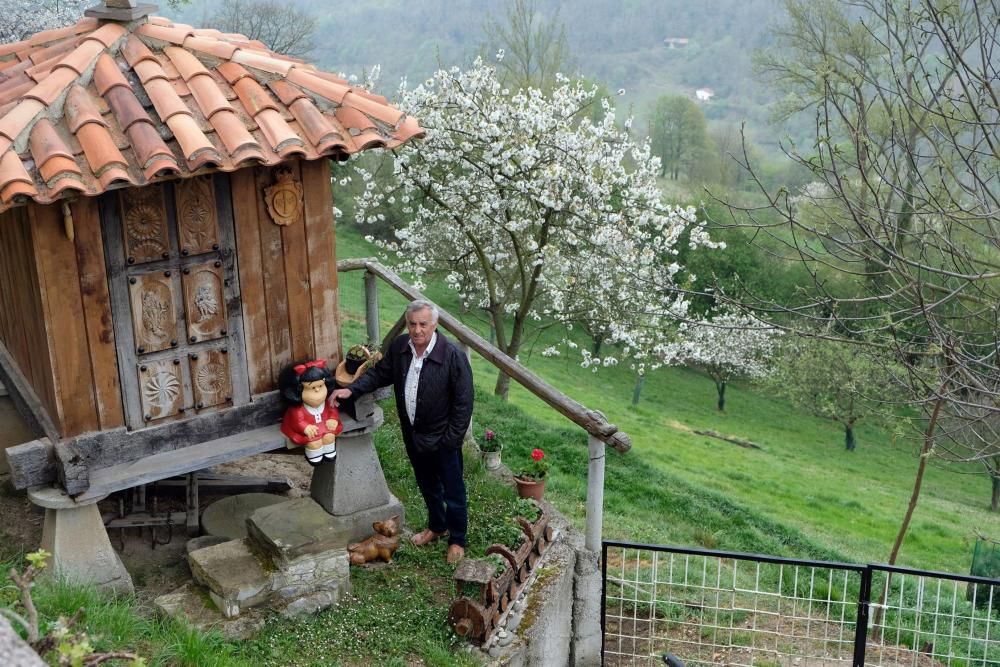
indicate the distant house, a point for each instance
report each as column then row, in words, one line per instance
column 704, row 94
column 676, row 42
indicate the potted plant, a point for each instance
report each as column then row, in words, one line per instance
column 489, row 450
column 530, row 479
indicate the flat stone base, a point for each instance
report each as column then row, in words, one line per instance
column 227, row 517
column 234, row 576
column 193, row 605
column 75, row 536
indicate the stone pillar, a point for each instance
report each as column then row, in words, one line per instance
column 352, row 486
column 75, row 536
column 587, row 635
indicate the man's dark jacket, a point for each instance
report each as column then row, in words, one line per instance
column 444, row 394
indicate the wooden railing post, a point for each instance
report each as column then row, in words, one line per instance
column 371, row 306
column 468, row 353
column 595, row 493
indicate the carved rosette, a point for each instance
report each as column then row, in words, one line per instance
column 210, row 379
column 197, row 222
column 284, row 198
column 160, row 389
column 144, row 221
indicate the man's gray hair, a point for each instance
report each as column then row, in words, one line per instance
column 420, row 304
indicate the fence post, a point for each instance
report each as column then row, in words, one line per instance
column 861, row 626
column 371, row 306
column 595, row 493
column 468, row 353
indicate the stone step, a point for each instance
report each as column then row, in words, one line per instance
column 234, row 576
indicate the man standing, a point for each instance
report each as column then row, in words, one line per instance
column 432, row 381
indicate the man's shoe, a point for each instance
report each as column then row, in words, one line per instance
column 456, row 552
column 426, row 536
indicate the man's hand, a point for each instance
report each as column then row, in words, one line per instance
column 339, row 394
column 312, row 431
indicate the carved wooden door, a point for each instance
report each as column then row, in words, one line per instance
column 175, row 299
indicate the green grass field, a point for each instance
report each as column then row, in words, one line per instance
column 801, row 493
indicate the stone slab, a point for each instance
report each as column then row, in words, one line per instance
column 56, row 498
column 202, row 542
column 15, row 651
column 297, row 528
column 228, row 517
column 233, row 573
column 195, row 607
column 353, row 481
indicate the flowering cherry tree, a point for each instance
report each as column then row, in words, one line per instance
column 726, row 345
column 531, row 209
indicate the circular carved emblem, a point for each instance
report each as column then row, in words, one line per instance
column 161, row 389
column 211, row 378
column 284, row 198
column 144, row 225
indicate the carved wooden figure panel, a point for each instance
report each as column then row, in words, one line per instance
column 197, row 225
column 210, row 378
column 204, row 301
column 144, row 224
column 161, row 389
column 154, row 311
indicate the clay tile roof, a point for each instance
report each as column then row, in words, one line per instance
column 101, row 105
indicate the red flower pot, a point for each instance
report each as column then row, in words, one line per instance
column 530, row 488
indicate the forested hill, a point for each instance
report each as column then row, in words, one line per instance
column 617, row 42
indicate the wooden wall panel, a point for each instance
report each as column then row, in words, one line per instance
column 288, row 274
column 322, row 244
column 275, row 286
column 21, row 324
column 65, row 322
column 97, row 312
column 297, row 273
column 245, row 211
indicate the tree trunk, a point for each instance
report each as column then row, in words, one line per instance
column 639, row 381
column 598, row 341
column 995, row 497
column 849, row 437
column 925, row 452
column 720, row 387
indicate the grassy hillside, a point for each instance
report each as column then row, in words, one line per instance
column 801, row 493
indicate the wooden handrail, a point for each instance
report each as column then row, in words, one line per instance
column 591, row 421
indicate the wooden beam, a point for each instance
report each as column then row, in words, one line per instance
column 590, row 420
column 71, row 469
column 32, row 463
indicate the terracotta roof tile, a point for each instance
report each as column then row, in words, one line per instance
column 76, row 108
column 107, row 75
column 213, row 47
column 253, row 96
column 12, row 171
column 136, row 52
column 187, row 63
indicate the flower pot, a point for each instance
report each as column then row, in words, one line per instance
column 530, row 488
column 491, row 460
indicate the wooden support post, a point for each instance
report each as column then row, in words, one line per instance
column 371, row 306
column 468, row 353
column 595, row 493
column 192, row 519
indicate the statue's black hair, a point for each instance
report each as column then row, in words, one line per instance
column 290, row 382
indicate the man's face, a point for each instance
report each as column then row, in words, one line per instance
column 420, row 326
column 314, row 393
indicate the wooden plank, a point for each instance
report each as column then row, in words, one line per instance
column 234, row 305
column 591, row 421
column 114, row 254
column 251, row 276
column 109, row 448
column 97, row 311
column 30, row 346
column 32, row 463
column 297, row 275
column 275, row 288
column 321, row 240
column 181, row 461
column 66, row 331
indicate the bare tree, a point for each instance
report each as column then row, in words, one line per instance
column 900, row 228
column 285, row 29
column 533, row 47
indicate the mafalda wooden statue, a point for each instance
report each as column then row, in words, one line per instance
column 309, row 420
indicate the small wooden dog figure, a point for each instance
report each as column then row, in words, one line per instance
column 379, row 546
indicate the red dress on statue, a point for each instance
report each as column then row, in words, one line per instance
column 298, row 417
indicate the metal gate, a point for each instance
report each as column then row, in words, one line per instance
column 706, row 607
